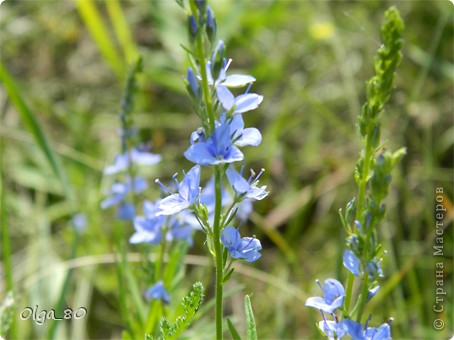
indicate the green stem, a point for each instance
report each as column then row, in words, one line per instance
column 218, row 252
column 359, row 212
column 205, row 88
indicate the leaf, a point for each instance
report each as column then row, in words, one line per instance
column 31, row 123
column 233, row 330
column 191, row 304
column 251, row 331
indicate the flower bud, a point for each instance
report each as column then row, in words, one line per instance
column 201, row 5
column 192, row 86
column 192, row 28
column 372, row 269
column 217, row 59
column 210, row 25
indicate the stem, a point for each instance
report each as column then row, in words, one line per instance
column 348, row 295
column 359, row 211
column 218, row 251
column 205, row 89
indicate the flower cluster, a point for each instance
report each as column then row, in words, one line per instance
column 333, row 299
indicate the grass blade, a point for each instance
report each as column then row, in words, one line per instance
column 233, row 330
column 122, row 31
column 93, row 20
column 31, row 123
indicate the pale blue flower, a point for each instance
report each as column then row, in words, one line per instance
column 158, row 292
column 240, row 248
column 118, row 194
column 188, row 191
column 241, row 136
column 79, row 221
column 243, row 103
column 148, row 229
column 333, row 297
column 217, row 149
column 332, row 329
column 244, row 188
column 357, row 331
column 136, row 156
column 353, row 264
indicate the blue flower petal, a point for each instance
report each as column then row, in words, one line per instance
column 225, row 97
column 189, row 186
column 331, row 328
column 126, row 211
column 230, row 237
column 144, row 158
column 111, row 201
column 351, row 262
column 239, row 184
column 333, row 289
column 249, row 136
column 200, row 154
column 380, row 333
column 247, row 102
column 172, row 204
column 238, row 80
column 158, row 292
column 354, row 329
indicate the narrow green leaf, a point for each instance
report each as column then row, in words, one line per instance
column 251, row 331
column 93, row 20
column 233, row 330
column 121, row 28
column 31, row 123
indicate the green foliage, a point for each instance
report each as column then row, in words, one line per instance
column 191, row 304
column 233, row 330
column 251, row 329
column 7, row 308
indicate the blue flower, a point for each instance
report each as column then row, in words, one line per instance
column 357, row 332
column 217, row 149
column 241, row 136
column 194, row 87
column 188, row 191
column 179, row 229
column 240, row 248
column 353, row 264
column 136, row 156
column 148, row 228
column 208, row 196
column 158, row 292
column 243, row 103
column 332, row 329
column 372, row 292
column 118, row 193
column 333, row 293
column 244, row 188
column 126, row 211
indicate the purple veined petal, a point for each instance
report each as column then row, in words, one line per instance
column 331, row 327
column 111, row 201
column 126, row 211
column 172, row 204
column 144, row 158
column 351, row 262
column 252, row 256
column 225, row 97
column 319, row 303
column 354, row 329
column 239, row 184
column 236, row 123
column 235, row 155
column 380, row 333
column 199, row 153
column 230, row 237
column 250, row 243
column 238, row 80
column 332, row 290
column 257, row 193
column 189, row 186
column 220, row 141
column 249, row 136
column 247, row 102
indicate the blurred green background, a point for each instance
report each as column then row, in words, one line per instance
column 311, row 60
